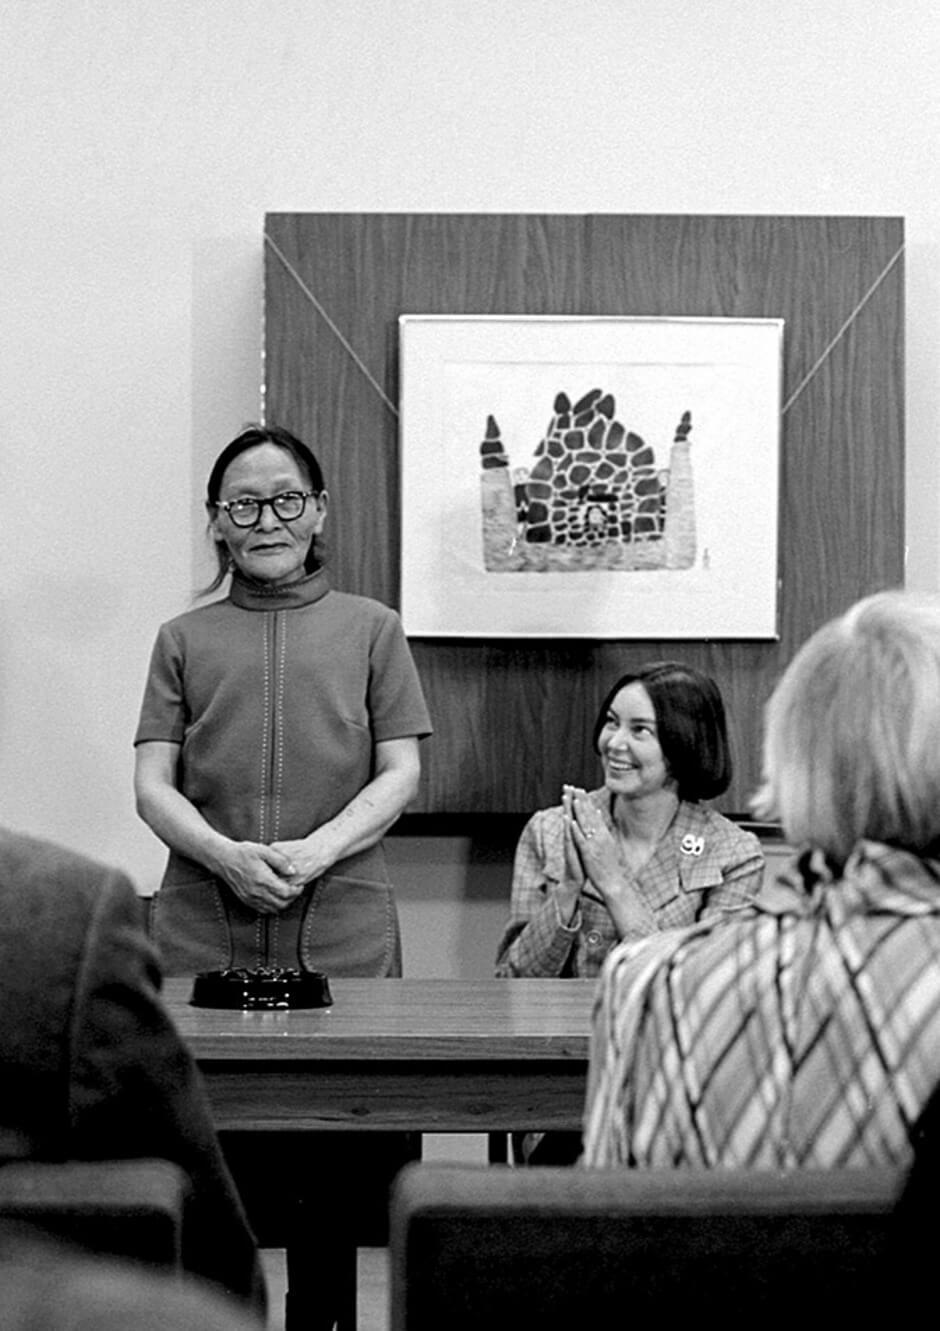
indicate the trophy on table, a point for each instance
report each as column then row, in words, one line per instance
column 272, row 987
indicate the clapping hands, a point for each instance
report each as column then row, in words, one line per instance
column 592, row 839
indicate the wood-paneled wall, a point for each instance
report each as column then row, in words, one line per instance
column 513, row 718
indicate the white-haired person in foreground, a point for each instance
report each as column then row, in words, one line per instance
column 806, row 1034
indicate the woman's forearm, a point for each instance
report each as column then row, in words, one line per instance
column 261, row 876
column 180, row 825
column 631, row 916
column 368, row 815
column 365, row 819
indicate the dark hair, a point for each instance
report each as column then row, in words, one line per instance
column 251, row 437
column 690, row 724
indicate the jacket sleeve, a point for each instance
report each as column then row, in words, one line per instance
column 135, row 1089
column 535, row 942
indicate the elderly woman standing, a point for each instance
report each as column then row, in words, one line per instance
column 806, row 1034
column 643, row 852
column 278, row 742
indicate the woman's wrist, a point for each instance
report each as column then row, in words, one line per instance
column 567, row 904
column 323, row 848
column 217, row 854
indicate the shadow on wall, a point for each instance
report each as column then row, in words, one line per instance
column 453, row 892
column 453, row 886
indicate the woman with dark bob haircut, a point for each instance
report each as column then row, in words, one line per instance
column 641, row 853
column 690, row 722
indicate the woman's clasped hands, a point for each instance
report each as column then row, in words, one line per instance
column 262, row 877
column 596, row 860
column 592, row 849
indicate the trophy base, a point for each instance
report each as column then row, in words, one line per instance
column 264, row 987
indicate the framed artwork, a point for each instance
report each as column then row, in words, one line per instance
column 336, row 285
column 580, row 477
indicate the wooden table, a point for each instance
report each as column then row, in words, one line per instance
column 421, row 1055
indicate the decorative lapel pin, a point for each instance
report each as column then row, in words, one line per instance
column 691, row 844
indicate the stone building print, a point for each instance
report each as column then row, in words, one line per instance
column 594, row 497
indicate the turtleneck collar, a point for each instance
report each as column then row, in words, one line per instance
column 250, row 595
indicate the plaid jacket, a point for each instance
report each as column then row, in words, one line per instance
column 705, row 866
column 806, row 1035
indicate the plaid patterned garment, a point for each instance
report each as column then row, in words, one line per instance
column 704, row 866
column 805, row 1037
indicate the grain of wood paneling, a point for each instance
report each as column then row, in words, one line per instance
column 513, row 719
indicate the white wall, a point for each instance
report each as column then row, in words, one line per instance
column 142, row 143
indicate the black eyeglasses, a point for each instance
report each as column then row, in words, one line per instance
column 288, row 506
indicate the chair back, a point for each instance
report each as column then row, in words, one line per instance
column 120, row 1208
column 496, row 1247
